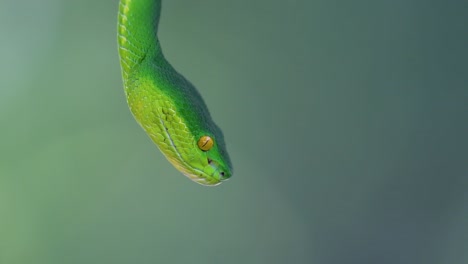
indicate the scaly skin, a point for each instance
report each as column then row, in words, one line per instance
column 164, row 103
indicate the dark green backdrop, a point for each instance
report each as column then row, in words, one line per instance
column 346, row 122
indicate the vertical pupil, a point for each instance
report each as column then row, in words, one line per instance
column 205, row 143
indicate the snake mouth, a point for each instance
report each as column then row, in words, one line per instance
column 216, row 177
column 219, row 172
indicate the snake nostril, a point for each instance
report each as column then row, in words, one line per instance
column 222, row 173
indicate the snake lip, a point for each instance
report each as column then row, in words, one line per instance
column 218, row 173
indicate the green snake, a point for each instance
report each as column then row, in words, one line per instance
column 165, row 104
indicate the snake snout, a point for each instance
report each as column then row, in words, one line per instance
column 220, row 172
column 224, row 175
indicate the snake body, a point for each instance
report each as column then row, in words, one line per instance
column 163, row 102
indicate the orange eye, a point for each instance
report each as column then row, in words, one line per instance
column 205, row 143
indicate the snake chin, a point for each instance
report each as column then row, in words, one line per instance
column 219, row 172
column 213, row 178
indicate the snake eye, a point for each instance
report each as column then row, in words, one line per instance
column 205, row 143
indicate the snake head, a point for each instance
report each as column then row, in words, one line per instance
column 176, row 118
column 205, row 163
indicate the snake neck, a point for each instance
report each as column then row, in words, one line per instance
column 137, row 33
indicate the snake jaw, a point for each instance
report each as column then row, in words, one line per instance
column 218, row 173
column 210, row 174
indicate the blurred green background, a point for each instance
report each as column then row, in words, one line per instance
column 346, row 122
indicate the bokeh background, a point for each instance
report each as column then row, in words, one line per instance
column 346, row 122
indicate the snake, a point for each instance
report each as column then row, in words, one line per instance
column 163, row 102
